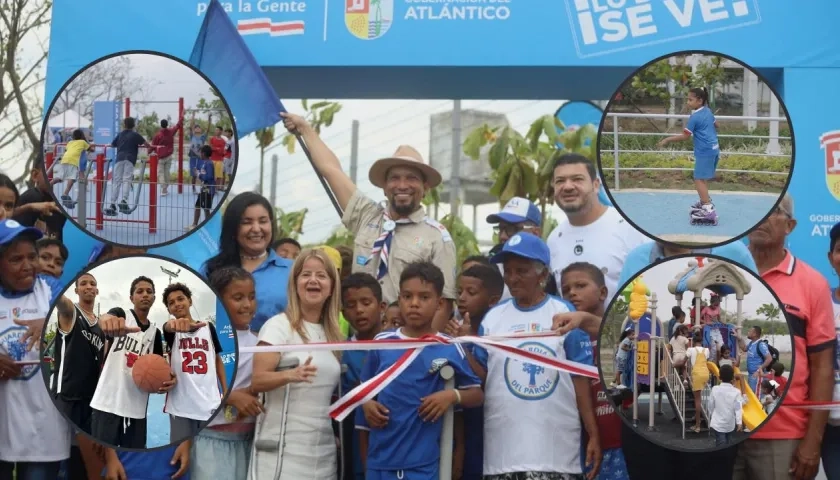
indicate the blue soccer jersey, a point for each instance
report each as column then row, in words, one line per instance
column 701, row 127
column 407, row 441
column 151, row 464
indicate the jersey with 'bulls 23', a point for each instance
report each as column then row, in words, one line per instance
column 116, row 392
column 78, row 357
column 193, row 359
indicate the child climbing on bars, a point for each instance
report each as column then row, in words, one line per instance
column 702, row 128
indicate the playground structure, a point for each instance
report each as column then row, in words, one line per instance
column 651, row 364
column 102, row 174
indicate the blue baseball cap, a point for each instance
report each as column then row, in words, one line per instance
column 517, row 210
column 10, row 230
column 525, row 245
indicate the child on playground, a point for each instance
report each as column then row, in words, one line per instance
column 697, row 356
column 622, row 354
column 230, row 156
column 711, row 313
column 197, row 140
column 362, row 306
column 702, row 127
column 219, row 144
column 725, row 406
column 127, row 143
column 206, row 185
column 778, row 375
column 769, row 395
column 68, row 169
column 223, row 449
column 164, row 139
column 725, row 357
column 479, row 289
column 197, row 364
column 583, row 284
column 401, row 428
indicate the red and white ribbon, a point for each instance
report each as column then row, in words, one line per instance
column 369, row 389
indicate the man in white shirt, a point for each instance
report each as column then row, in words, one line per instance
column 592, row 231
column 518, row 215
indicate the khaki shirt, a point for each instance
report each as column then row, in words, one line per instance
column 424, row 239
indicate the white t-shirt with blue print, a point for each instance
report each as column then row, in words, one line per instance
column 31, row 428
column 701, row 127
column 524, row 402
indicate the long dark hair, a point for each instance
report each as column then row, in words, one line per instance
column 229, row 255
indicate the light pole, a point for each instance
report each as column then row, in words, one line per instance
column 170, row 273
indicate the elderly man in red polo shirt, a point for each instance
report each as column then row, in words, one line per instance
column 788, row 445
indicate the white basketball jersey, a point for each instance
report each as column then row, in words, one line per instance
column 518, row 395
column 193, row 359
column 116, row 391
column 31, row 428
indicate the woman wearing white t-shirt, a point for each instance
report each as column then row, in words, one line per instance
column 34, row 436
column 831, row 438
column 696, row 365
column 308, row 449
column 223, row 449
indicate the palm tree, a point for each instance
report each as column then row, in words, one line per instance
column 290, row 224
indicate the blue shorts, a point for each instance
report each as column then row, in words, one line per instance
column 193, row 165
column 426, row 472
column 613, row 466
column 705, row 166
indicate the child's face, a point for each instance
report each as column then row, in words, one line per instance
column 693, row 101
column 834, row 258
column 143, row 296
column 240, row 301
column 218, row 132
column 178, row 305
column 473, row 298
column 288, row 250
column 582, row 291
column 392, row 318
column 50, row 261
column 362, row 310
column 197, row 131
column 418, row 303
column 7, row 202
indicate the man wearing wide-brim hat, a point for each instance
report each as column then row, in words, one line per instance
column 393, row 234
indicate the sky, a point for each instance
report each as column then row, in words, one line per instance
column 114, row 286
column 658, row 277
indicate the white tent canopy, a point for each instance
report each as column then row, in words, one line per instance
column 69, row 119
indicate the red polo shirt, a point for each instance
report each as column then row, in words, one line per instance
column 809, row 314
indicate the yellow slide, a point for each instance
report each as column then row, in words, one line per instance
column 753, row 413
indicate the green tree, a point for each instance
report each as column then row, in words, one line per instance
column 523, row 165
column 770, row 311
column 651, row 83
column 265, row 137
column 290, row 224
column 466, row 243
column 340, row 237
column 319, row 115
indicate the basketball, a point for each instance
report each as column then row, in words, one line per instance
column 150, row 372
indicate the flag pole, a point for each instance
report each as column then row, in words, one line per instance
column 324, row 184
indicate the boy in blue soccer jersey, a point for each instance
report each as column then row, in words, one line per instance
column 702, row 128
column 401, row 428
column 362, row 305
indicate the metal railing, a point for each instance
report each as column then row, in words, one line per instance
column 773, row 147
column 674, row 382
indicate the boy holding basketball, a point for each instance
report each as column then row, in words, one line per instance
column 119, row 406
column 401, row 429
column 196, row 360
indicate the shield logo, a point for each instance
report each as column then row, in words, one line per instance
column 368, row 19
column 830, row 142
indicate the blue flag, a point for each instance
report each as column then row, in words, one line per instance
column 220, row 51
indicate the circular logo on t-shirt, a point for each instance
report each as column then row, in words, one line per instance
column 529, row 381
column 514, row 240
column 11, row 345
column 578, row 249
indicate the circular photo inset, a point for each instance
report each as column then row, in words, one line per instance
column 695, row 148
column 139, row 149
column 138, row 360
column 695, row 353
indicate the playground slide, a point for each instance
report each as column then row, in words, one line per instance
column 753, row 413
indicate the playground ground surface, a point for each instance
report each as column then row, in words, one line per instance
column 665, row 213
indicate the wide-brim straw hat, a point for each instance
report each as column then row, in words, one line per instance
column 405, row 156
